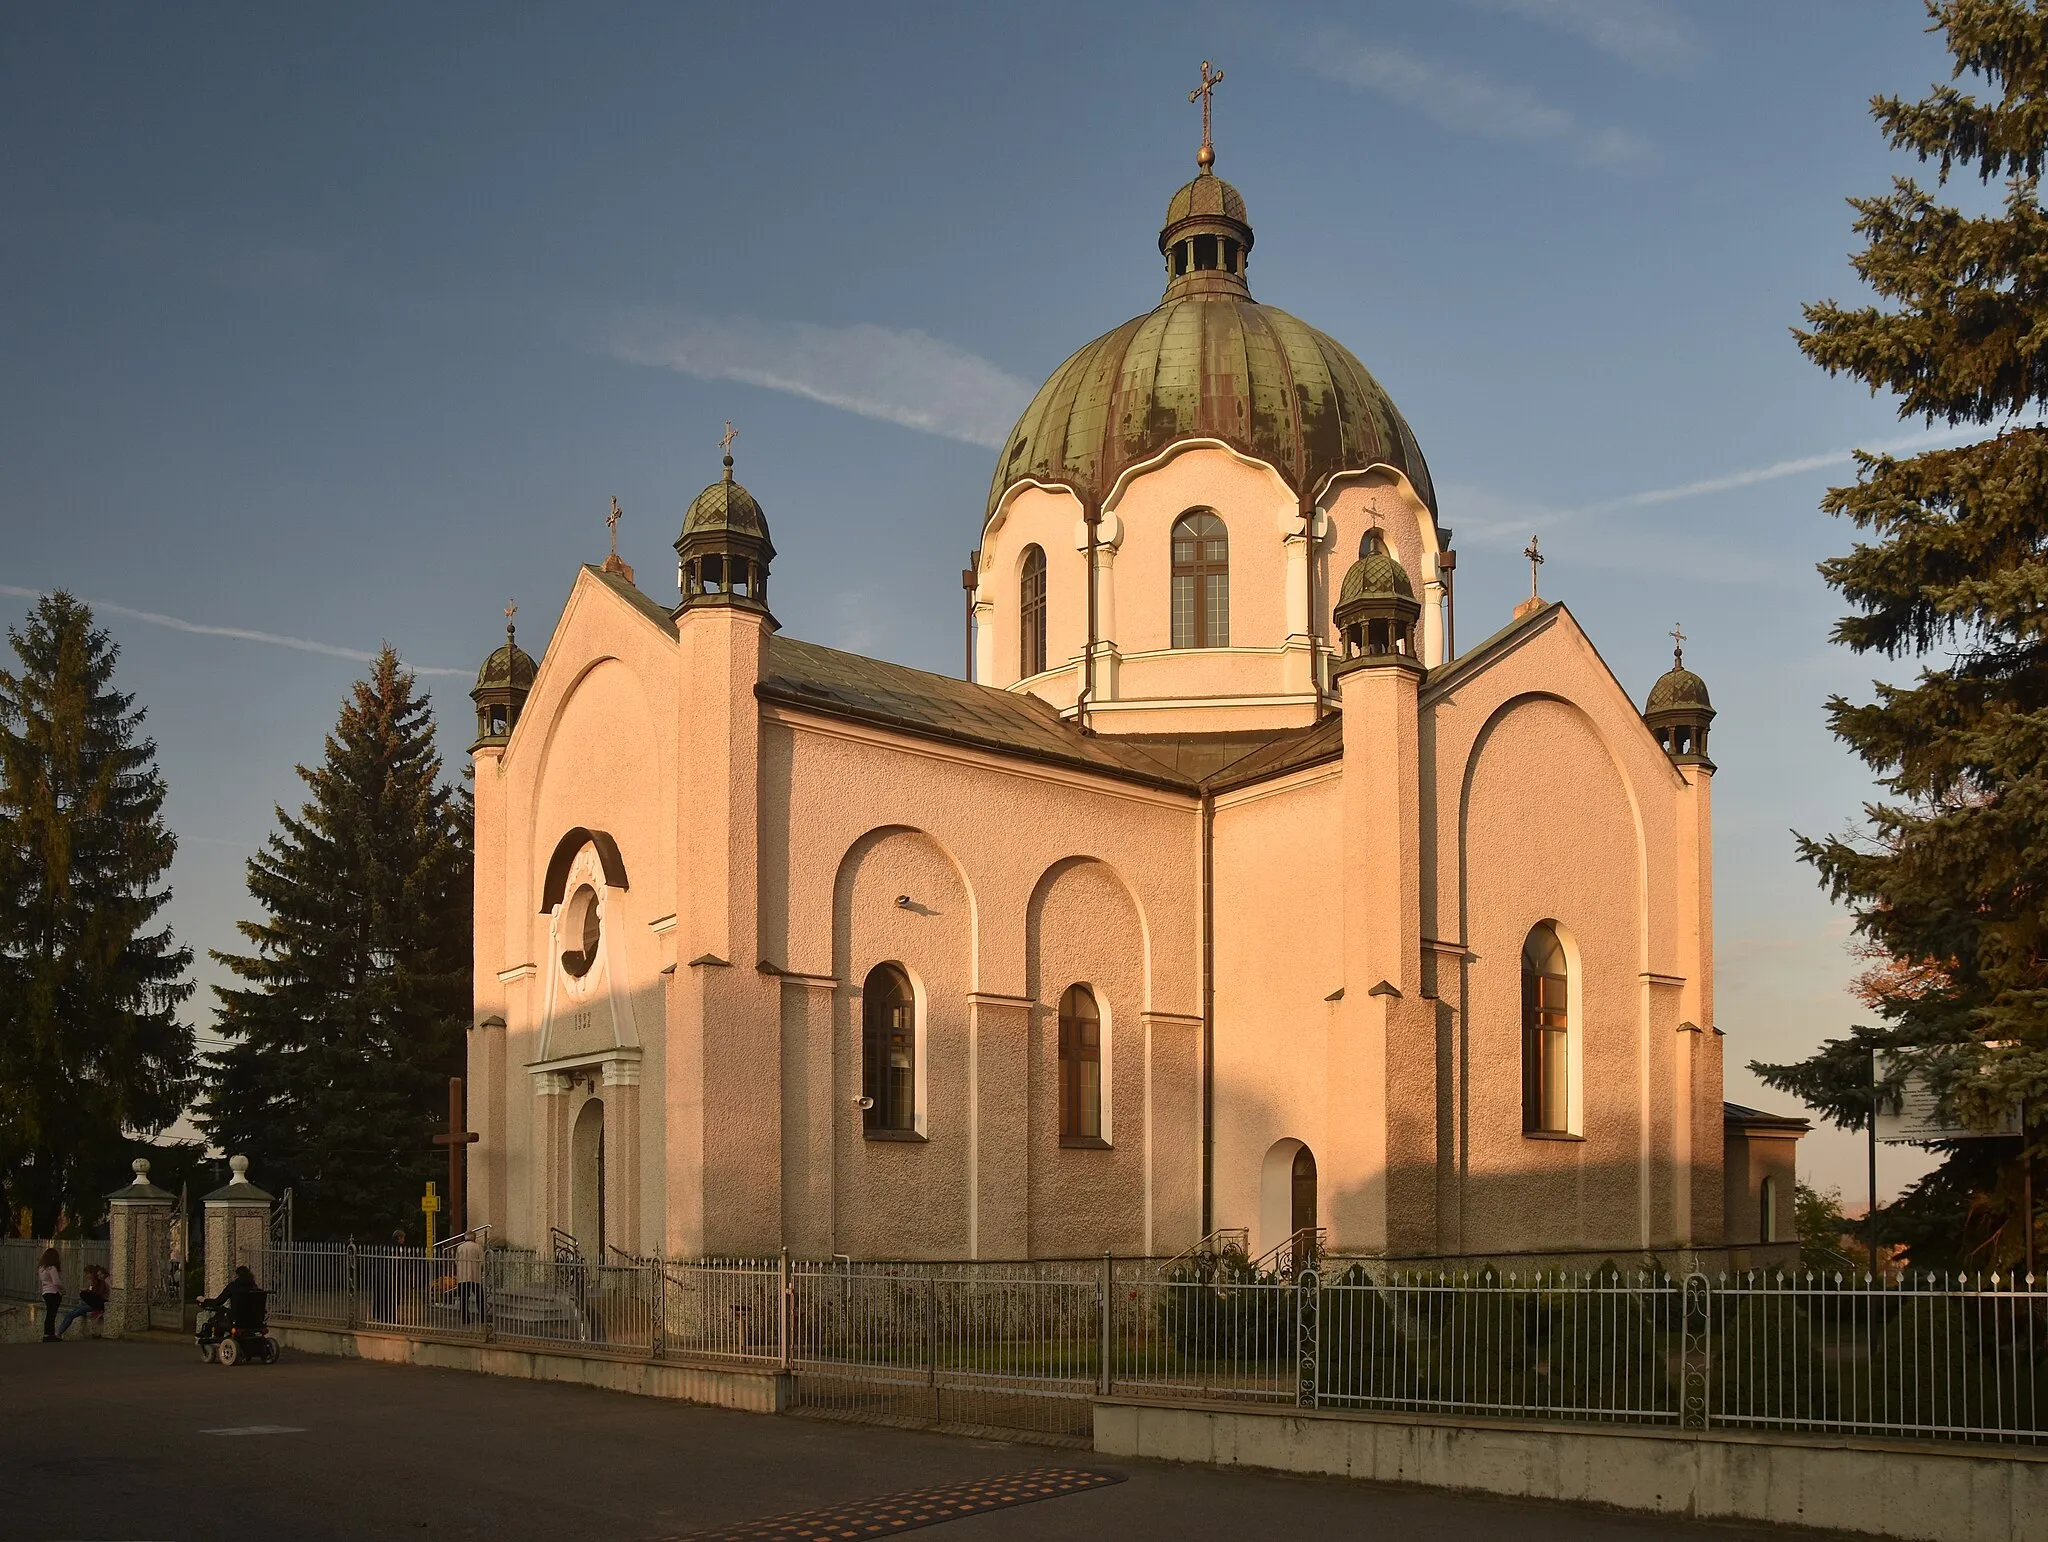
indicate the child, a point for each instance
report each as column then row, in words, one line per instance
column 50, row 1281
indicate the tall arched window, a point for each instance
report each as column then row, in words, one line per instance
column 1080, row 1065
column 888, row 1052
column 1031, row 614
column 1201, row 581
column 1546, row 1034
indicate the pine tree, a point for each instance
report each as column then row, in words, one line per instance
column 351, row 1014
column 90, row 1042
column 1948, row 882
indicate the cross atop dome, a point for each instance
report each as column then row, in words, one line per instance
column 1206, row 156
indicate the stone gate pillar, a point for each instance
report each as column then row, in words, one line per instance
column 237, row 1228
column 139, row 1229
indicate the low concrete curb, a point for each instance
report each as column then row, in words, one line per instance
column 1923, row 1491
column 720, row 1386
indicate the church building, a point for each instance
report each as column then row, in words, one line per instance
column 1229, row 893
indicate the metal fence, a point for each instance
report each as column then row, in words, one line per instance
column 20, row 1257
column 1029, row 1346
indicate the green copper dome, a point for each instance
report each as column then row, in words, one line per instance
column 1209, row 363
column 1677, row 687
column 1375, row 572
column 510, row 665
column 725, row 506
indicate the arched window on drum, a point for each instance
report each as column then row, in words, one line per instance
column 1201, row 581
column 1547, row 1031
column 1031, row 614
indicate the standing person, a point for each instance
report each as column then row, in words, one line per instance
column 92, row 1299
column 50, row 1281
column 469, row 1277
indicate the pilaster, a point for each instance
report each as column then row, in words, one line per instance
column 551, row 1143
column 622, row 1192
column 1383, row 1075
column 1000, row 1137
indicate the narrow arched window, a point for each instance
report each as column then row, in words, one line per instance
column 888, row 1059
column 1031, row 614
column 1546, row 1034
column 1080, row 1065
column 1201, row 581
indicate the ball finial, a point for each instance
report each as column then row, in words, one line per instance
column 239, row 1166
column 140, row 1167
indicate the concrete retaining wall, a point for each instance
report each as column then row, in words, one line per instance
column 754, row 1391
column 1923, row 1491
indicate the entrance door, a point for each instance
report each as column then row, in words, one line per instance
column 1304, row 1207
column 586, row 1182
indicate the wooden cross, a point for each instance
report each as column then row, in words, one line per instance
column 1677, row 646
column 1206, row 156
column 1535, row 555
column 456, row 1140
column 611, row 523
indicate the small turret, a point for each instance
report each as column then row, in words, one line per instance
column 502, row 687
column 722, row 556
column 1678, row 711
column 1376, row 607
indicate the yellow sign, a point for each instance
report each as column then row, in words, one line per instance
column 430, row 1204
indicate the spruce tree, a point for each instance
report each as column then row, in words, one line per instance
column 1948, row 880
column 350, row 1016
column 91, row 1047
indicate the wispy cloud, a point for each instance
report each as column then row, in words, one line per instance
column 1504, row 519
column 1650, row 34
column 238, row 633
column 1467, row 99
column 907, row 378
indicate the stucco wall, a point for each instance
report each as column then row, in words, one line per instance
column 1279, row 909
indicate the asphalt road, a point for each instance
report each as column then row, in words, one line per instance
column 141, row 1440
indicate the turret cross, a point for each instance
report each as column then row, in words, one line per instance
column 511, row 610
column 1207, row 154
column 1533, row 551
column 1677, row 645
column 725, row 439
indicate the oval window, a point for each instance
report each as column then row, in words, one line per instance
column 580, row 932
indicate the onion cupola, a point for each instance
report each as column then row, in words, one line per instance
column 1209, row 363
column 502, row 686
column 1678, row 710
column 1376, row 608
column 723, row 554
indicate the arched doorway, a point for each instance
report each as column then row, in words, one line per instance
column 1287, row 1194
column 586, row 1179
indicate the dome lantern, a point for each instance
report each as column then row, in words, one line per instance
column 502, row 686
column 723, row 553
column 1376, row 608
column 1206, row 239
column 1679, row 711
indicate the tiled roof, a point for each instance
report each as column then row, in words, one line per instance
column 802, row 674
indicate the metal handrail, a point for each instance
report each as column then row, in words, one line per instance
column 1225, row 1239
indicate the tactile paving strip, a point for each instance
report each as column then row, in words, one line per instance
column 892, row 1513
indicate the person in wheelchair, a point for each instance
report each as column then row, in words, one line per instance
column 238, row 1328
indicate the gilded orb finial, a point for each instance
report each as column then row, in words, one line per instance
column 1206, row 156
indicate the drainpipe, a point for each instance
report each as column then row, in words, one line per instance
column 1208, row 1012
column 1308, row 528
column 1447, row 570
column 1093, row 516
column 967, row 583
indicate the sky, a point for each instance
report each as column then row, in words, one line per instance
column 324, row 327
